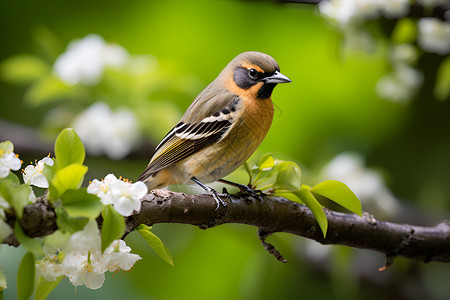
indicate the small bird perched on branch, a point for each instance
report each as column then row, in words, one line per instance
column 221, row 129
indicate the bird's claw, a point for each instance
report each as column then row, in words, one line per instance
column 257, row 194
column 219, row 201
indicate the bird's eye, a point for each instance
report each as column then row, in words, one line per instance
column 253, row 74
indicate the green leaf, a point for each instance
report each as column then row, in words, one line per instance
column 56, row 240
column 154, row 242
column 404, row 31
column 113, row 226
column 30, row 244
column 23, row 69
column 49, row 171
column 266, row 162
column 25, row 277
column 67, row 178
column 340, row 193
column 5, row 231
column 44, row 287
column 311, row 202
column 80, row 203
column 16, row 195
column 13, row 178
column 288, row 176
column 46, row 90
column 3, row 284
column 47, row 41
column 66, row 223
column 69, row 149
column 442, row 87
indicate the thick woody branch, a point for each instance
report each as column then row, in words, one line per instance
column 270, row 215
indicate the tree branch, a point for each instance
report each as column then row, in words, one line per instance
column 270, row 215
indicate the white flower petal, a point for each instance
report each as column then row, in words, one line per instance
column 39, row 180
column 139, row 189
column 124, row 206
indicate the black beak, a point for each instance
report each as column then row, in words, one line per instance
column 277, row 77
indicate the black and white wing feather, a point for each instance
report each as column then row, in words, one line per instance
column 188, row 138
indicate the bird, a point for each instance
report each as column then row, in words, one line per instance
column 221, row 128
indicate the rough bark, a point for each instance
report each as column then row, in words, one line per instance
column 270, row 215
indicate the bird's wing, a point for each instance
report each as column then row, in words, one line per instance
column 187, row 138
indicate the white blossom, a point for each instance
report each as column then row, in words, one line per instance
column 404, row 54
column 126, row 197
column 401, row 84
column 101, row 188
column 85, row 60
column 83, row 263
column 116, row 257
column 434, row 35
column 394, row 8
column 104, row 131
column 351, row 12
column 123, row 195
column 366, row 183
column 33, row 174
column 8, row 159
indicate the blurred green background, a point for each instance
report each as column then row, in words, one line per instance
column 330, row 107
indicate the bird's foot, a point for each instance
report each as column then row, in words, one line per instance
column 245, row 190
column 257, row 194
column 216, row 197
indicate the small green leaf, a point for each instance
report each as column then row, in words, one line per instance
column 113, row 226
column 3, row 284
column 154, row 242
column 47, row 89
column 56, row 240
column 442, row 87
column 266, row 162
column 69, row 149
column 311, row 202
column 23, row 69
column 5, row 230
column 288, row 176
column 13, row 178
column 288, row 195
column 49, row 171
column 68, row 224
column 80, row 203
column 67, row 178
column 340, row 193
column 44, row 287
column 25, row 277
column 404, row 31
column 16, row 195
column 30, row 244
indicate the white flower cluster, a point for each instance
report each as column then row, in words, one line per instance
column 433, row 35
column 403, row 82
column 105, row 131
column 81, row 260
column 351, row 12
column 85, row 60
column 8, row 159
column 124, row 196
column 366, row 183
column 33, row 174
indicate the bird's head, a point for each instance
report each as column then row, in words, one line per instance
column 254, row 74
